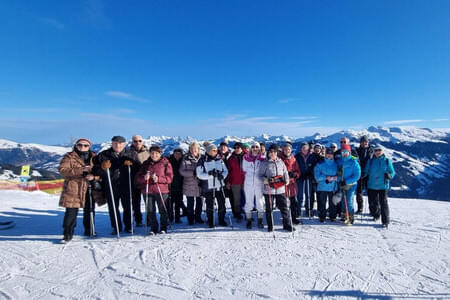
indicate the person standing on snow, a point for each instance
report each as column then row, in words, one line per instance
column 235, row 179
column 211, row 170
column 117, row 159
column 253, row 184
column 76, row 167
column 379, row 171
column 349, row 172
column 157, row 172
column 364, row 153
column 275, row 177
column 191, row 187
column 176, row 188
column 306, row 162
column 325, row 174
column 142, row 154
column 294, row 173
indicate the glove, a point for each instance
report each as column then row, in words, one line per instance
column 327, row 181
column 106, row 165
column 387, row 176
column 342, row 184
column 220, row 175
column 128, row 163
column 266, row 180
column 212, row 172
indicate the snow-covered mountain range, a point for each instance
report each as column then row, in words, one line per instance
column 420, row 155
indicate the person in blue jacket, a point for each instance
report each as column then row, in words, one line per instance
column 379, row 171
column 325, row 174
column 349, row 173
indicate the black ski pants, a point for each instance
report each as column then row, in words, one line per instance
column 378, row 204
column 282, row 205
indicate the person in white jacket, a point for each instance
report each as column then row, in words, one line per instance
column 211, row 170
column 253, row 184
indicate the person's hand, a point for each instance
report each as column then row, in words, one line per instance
column 266, row 180
column 106, row 165
column 128, row 163
column 147, row 177
column 387, row 176
column 155, row 178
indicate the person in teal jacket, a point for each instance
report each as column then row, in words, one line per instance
column 380, row 171
column 349, row 173
column 325, row 174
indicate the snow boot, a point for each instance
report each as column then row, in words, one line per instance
column 288, row 227
column 260, row 223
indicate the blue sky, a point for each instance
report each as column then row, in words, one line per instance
column 211, row 68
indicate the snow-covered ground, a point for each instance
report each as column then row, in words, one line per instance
column 411, row 260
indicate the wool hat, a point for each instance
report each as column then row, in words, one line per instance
column 378, row 147
column 256, row 144
column 237, row 144
column 209, row 147
column 245, row 145
column 155, row 148
column 346, row 147
column 119, row 139
column 224, row 144
column 317, row 145
column 364, row 138
column 84, row 139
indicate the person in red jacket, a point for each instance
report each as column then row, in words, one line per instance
column 235, row 179
column 157, row 171
column 294, row 173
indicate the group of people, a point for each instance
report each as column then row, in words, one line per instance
column 252, row 177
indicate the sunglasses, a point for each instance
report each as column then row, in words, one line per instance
column 378, row 150
column 83, row 145
column 255, row 147
column 137, row 141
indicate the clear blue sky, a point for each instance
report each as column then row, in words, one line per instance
column 210, row 68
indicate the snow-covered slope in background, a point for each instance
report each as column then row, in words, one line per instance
column 411, row 260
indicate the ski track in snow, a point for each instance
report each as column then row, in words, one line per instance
column 410, row 260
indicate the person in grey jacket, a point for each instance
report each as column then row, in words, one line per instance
column 275, row 175
column 191, row 187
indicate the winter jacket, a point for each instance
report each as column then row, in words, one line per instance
column 306, row 165
column 364, row 154
column 376, row 169
column 294, row 173
column 75, row 185
column 225, row 157
column 250, row 167
column 205, row 166
column 162, row 168
column 188, row 171
column 177, row 182
column 118, row 171
column 234, row 166
column 270, row 169
column 349, row 169
column 327, row 167
column 142, row 155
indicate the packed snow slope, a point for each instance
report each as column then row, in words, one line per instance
column 410, row 260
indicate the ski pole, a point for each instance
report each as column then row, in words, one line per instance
column 346, row 208
column 271, row 210
column 229, row 215
column 91, row 213
column 113, row 202
column 288, row 201
column 146, row 202
column 162, row 201
column 131, row 197
column 309, row 199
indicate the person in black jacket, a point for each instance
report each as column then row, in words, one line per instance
column 117, row 159
column 176, row 188
column 364, row 154
column 306, row 162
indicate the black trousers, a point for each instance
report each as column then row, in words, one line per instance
column 70, row 219
column 322, row 205
column 378, row 204
column 153, row 200
column 176, row 203
column 210, row 199
column 197, row 214
column 362, row 185
column 293, row 205
column 282, row 205
column 137, row 205
column 120, row 196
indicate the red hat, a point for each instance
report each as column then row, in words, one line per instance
column 346, row 147
column 83, row 139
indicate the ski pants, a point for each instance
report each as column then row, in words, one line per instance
column 347, row 199
column 378, row 204
column 122, row 196
column 325, row 197
column 197, row 215
column 211, row 197
column 305, row 189
column 282, row 204
column 137, row 205
column 362, row 185
column 70, row 219
column 153, row 200
column 176, row 203
column 236, row 190
column 254, row 195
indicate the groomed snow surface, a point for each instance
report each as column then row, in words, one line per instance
column 410, row 260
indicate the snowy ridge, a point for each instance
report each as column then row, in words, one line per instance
column 410, row 260
column 59, row 150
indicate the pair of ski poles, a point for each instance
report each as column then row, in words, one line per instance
column 147, row 182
